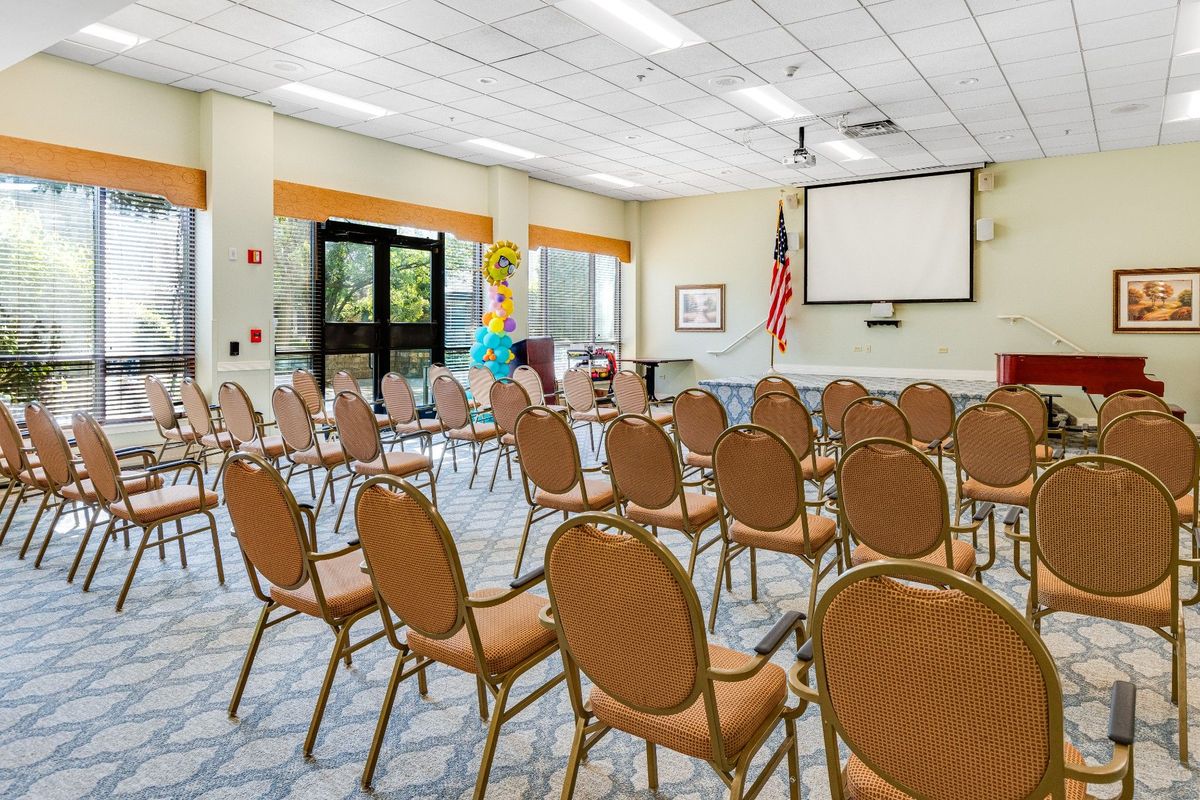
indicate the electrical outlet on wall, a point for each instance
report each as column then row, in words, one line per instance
column 858, row 348
column 943, row 349
column 868, row 348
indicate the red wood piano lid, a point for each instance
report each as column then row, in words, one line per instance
column 1095, row 373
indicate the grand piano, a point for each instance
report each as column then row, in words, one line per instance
column 1095, row 373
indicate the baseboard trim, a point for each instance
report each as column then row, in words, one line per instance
column 889, row 372
column 243, row 366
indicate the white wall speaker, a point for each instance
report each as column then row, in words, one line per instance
column 793, row 240
column 985, row 229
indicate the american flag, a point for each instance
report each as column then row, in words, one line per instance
column 781, row 286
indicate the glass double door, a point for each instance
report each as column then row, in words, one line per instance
column 383, row 304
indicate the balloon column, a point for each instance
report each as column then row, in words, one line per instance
column 493, row 339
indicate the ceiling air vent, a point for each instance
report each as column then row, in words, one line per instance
column 880, row 128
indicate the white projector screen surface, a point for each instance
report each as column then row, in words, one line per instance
column 900, row 240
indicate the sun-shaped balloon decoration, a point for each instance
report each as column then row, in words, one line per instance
column 493, row 339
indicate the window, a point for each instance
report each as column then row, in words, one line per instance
column 97, row 290
column 297, row 328
column 575, row 298
column 464, row 303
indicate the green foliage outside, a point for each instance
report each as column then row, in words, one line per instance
column 349, row 283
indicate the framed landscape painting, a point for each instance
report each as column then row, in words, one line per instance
column 700, row 307
column 1156, row 300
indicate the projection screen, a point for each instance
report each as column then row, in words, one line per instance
column 895, row 239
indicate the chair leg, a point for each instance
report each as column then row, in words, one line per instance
column 137, row 559
column 789, row 731
column 1181, row 679
column 340, row 644
column 496, row 469
column 212, row 527
column 325, row 486
column 478, row 454
column 83, row 543
column 812, row 586
column 754, row 576
column 695, row 549
column 337, row 526
column 722, row 569
column 221, row 469
column 8, row 490
column 248, row 661
column 481, row 698
column 87, row 581
column 489, row 747
column 33, row 525
column 524, row 541
column 37, row 562
column 385, row 714
column 651, row 767
column 572, row 773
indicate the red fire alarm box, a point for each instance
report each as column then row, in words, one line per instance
column 254, row 256
column 256, row 335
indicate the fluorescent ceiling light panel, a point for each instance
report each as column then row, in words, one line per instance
column 501, row 147
column 111, row 35
column 334, row 99
column 1187, row 30
column 612, row 179
column 774, row 102
column 1182, row 107
column 637, row 24
column 847, row 150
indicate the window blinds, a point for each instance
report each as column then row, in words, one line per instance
column 464, row 303
column 97, row 290
column 297, row 325
column 576, row 299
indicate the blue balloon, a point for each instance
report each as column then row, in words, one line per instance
column 498, row 369
column 505, row 341
column 478, row 351
column 480, row 333
column 502, row 354
column 492, row 340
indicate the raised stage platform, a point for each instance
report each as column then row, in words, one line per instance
column 737, row 393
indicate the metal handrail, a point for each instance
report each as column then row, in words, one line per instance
column 1013, row 319
column 761, row 326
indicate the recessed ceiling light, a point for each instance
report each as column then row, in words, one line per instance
column 1187, row 30
column 638, row 24
column 107, row 33
column 487, row 80
column 777, row 104
column 1182, row 107
column 725, row 81
column 286, row 66
column 335, row 99
column 849, row 151
column 501, row 147
column 613, row 179
column 1004, row 137
column 968, row 81
column 1129, row 108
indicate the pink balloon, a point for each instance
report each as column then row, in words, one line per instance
column 510, row 325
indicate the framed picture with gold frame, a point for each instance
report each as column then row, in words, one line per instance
column 1156, row 300
column 700, row 307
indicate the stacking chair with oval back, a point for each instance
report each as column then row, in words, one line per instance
column 459, row 426
column 173, row 432
column 873, row 417
column 1032, row 408
column 648, row 484
column 930, row 411
column 303, row 448
column 343, row 381
column 631, row 397
column 775, row 383
column 22, row 471
column 893, row 502
column 552, row 476
column 981, row 707
column 246, row 425
column 66, row 479
column 401, row 407
column 834, row 398
column 760, row 487
column 1127, row 400
column 365, row 453
column 278, row 541
column 149, row 510
column 494, row 634
column 305, row 384
column 211, row 438
column 1168, row 448
column 508, row 399
column 698, row 419
column 784, row 414
column 529, row 377
column 628, row 618
column 480, row 380
column 1104, row 542
column 582, row 409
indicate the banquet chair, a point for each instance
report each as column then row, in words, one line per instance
column 628, row 618
column 22, row 471
column 630, row 396
column 305, row 384
column 893, row 502
column 480, row 380
column 582, row 409
column 304, row 450
column 1028, row 404
column 698, row 419
column 246, row 425
column 869, row 417
column 171, row 430
column 359, row 437
column 149, row 510
column 760, row 488
column 648, row 484
column 401, row 408
column 775, row 383
column 978, row 715
column 784, row 414
column 1127, row 400
column 834, row 398
column 930, row 411
column 343, row 381
column 1104, row 542
column 493, row 633
column 994, row 462
column 459, row 426
column 508, row 399
column 212, row 439
column 528, row 377
column 552, row 476
column 278, row 542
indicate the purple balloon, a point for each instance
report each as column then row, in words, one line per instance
column 510, row 324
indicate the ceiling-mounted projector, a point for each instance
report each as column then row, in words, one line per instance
column 800, row 158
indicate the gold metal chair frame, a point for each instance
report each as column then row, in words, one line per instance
column 477, row 443
column 507, row 449
column 258, row 439
column 210, row 427
column 830, row 439
column 962, row 503
column 574, row 411
column 17, row 470
column 167, row 419
column 810, row 454
column 424, row 436
column 408, row 663
column 935, row 443
column 1120, row 768
column 1145, row 402
column 1042, row 442
column 295, row 467
column 631, row 397
column 733, row 772
column 694, row 392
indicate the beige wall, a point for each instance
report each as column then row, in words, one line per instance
column 1062, row 225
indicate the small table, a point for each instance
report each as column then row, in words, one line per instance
column 650, row 364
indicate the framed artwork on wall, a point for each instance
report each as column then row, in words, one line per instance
column 1156, row 300
column 700, row 307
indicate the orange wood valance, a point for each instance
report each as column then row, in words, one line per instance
column 183, row 186
column 540, row 236
column 312, row 202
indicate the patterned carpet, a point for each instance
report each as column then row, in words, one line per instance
column 99, row 704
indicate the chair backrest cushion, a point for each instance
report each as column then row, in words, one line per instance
column 97, row 455
column 893, row 498
column 834, row 399
column 238, row 412
column 774, row 383
column 698, row 419
column 509, row 399
column 643, row 461
column 398, row 398
column 994, row 445
column 51, row 445
column 295, row 423
column 758, row 478
column 195, row 406
column 869, row 417
column 930, row 411
column 578, row 390
column 264, row 515
column 357, row 428
column 629, row 392
column 1129, row 400
column 451, row 402
column 547, row 448
column 1027, row 403
column 785, row 415
column 1158, row 441
column 160, row 403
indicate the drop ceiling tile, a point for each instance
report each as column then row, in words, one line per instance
column 195, row 83
column 525, row 120
column 964, row 59
column 387, row 72
column 1154, row 105
column 485, row 79
column 646, row 117
column 536, row 66
column 668, row 91
column 398, row 101
column 545, row 27
column 349, row 85
column 1121, row 76
column 1122, row 55
column 246, row 77
column 78, row 52
column 1049, row 86
column 580, row 85
column 439, row 90
column 983, row 113
column 172, row 57
column 1001, row 125
column 486, row 44
column 529, row 96
column 392, row 125
column 901, row 15
column 1128, row 29
column 284, row 65
column 144, row 70
column 968, row 81
column 723, row 81
column 427, row 18
column 1061, row 117
column 939, row 38
column 1039, row 45
column 787, row 11
column 888, row 72
column 693, row 60
column 947, row 133
column 255, row 26
column 860, row 54
column 914, row 108
column 446, row 135
column 562, row 132
column 570, row 111
column 799, row 65
column 1141, row 119
column 326, row 51
column 727, row 19
column 191, row 10
column 374, row 35
column 979, row 97
column 1177, row 85
column 593, row 53
column 817, row 86
column 606, row 124
column 676, row 129
column 899, row 92
column 490, row 10
column 483, row 127
column 434, row 59
column 835, row 29
column 145, row 22
column 312, row 14
column 1049, row 67
column 699, row 107
column 938, row 119
column 443, row 115
column 213, row 43
column 836, row 103
column 1027, row 19
column 328, row 117
column 1056, row 102
column 1185, row 65
column 367, row 6
column 1096, row 10
column 1125, row 143
column 761, row 46
column 726, row 122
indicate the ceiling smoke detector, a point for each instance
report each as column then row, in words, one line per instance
column 487, row 80
column 287, row 66
column 1129, row 108
column 725, row 81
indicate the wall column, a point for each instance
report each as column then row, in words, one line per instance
column 508, row 203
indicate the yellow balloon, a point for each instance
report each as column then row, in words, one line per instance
column 507, row 305
column 496, row 325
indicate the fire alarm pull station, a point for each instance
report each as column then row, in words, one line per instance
column 256, row 335
column 254, row 256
